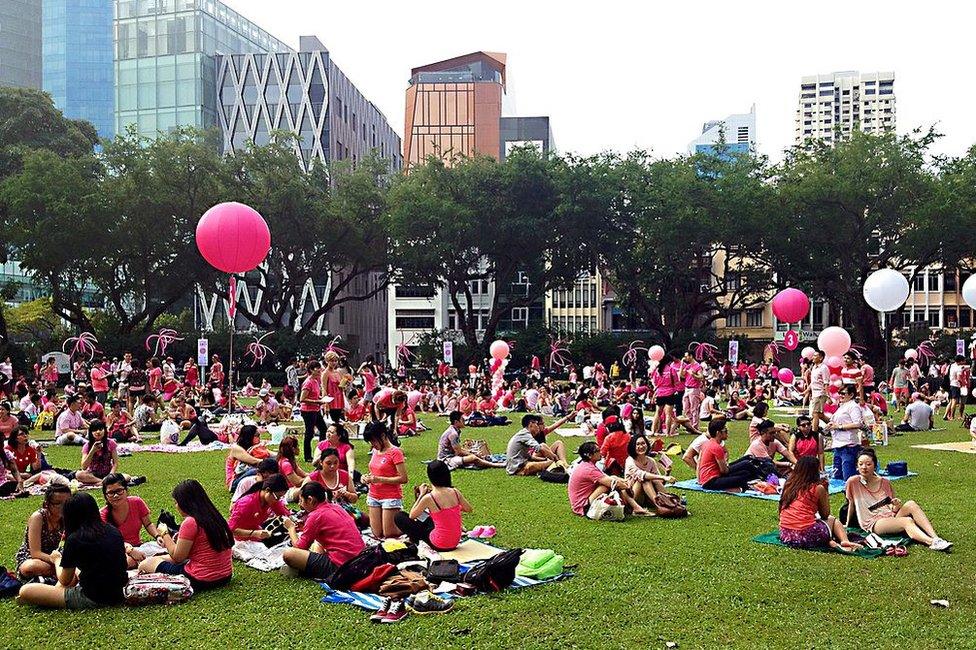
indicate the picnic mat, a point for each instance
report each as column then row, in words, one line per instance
column 39, row 490
column 773, row 539
column 470, row 550
column 577, row 432
column 492, row 458
column 133, row 447
column 966, row 447
column 836, row 486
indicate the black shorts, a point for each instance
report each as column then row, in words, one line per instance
column 954, row 392
column 319, row 567
column 670, row 400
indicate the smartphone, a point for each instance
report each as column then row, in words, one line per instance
column 880, row 504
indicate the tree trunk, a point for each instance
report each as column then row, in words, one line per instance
column 867, row 333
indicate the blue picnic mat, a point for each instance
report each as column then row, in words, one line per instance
column 836, row 486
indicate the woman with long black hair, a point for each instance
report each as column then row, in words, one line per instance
column 92, row 570
column 203, row 550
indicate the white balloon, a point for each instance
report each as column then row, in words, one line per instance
column 887, row 290
column 969, row 291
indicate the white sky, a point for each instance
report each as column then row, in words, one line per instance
column 619, row 75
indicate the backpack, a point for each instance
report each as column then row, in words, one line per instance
column 358, row 567
column 496, row 573
column 9, row 584
column 554, row 477
column 669, row 506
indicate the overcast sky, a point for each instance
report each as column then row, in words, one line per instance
column 621, row 74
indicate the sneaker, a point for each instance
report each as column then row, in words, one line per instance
column 428, row 603
column 380, row 614
column 939, row 544
column 395, row 613
column 137, row 480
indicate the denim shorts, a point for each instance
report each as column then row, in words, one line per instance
column 385, row 504
column 75, row 598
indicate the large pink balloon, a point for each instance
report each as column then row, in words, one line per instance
column 834, row 341
column 834, row 363
column 807, row 353
column 655, row 353
column 786, row 375
column 499, row 350
column 911, row 353
column 791, row 305
column 233, row 237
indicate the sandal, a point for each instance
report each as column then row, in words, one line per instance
column 897, row 551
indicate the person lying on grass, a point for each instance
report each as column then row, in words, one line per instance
column 804, row 511
column 647, row 479
column 878, row 511
column 129, row 514
column 91, row 571
column 265, row 468
column 202, row 551
column 528, row 454
column 588, row 483
column 444, row 505
column 45, row 528
column 450, row 451
column 254, row 508
column 386, row 477
column 328, row 540
column 713, row 462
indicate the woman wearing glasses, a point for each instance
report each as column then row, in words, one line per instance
column 845, row 426
column 804, row 441
column 127, row 513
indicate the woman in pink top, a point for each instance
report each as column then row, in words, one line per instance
column 203, row 552
column 878, row 511
column 666, row 395
column 253, row 509
column 334, row 381
column 804, row 511
column 442, row 529
column 386, row 476
column 127, row 513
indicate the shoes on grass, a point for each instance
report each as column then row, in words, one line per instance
column 380, row 614
column 137, row 480
column 939, row 544
column 482, row 532
column 427, row 602
column 395, row 613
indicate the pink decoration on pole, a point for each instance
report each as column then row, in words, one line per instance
column 925, row 352
column 233, row 237
column 258, row 350
column 232, row 297
column 791, row 305
column 834, row 363
column 630, row 355
column 334, row 347
column 83, row 344
column 701, row 351
column 162, row 339
column 791, row 340
column 911, row 353
column 772, row 349
column 558, row 353
column 403, row 353
column 499, row 350
column 655, row 353
column 786, row 376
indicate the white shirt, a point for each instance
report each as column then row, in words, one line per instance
column 847, row 413
column 819, row 378
column 706, row 407
column 587, row 372
column 954, row 371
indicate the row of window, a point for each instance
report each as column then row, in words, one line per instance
column 573, row 324
column 582, row 295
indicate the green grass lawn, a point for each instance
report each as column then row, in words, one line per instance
column 698, row 582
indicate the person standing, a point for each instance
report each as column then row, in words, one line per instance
column 845, row 428
column 311, row 403
column 899, row 383
column 955, row 393
column 819, row 380
column 693, row 375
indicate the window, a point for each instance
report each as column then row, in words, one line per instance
column 965, row 317
column 342, row 314
column 754, row 318
column 934, row 319
column 949, row 282
column 733, row 282
column 414, row 291
column 734, row 320
column 520, row 315
column 933, row 281
column 918, row 283
column 417, row 319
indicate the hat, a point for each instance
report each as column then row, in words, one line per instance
column 916, row 395
column 263, row 392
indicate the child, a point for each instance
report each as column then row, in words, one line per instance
column 444, row 505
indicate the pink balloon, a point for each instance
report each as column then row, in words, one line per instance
column 835, row 364
column 472, row 369
column 495, row 365
column 413, row 398
column 655, row 353
column 786, row 375
column 911, row 353
column 791, row 305
column 807, row 353
column 834, row 341
column 499, row 350
column 233, row 237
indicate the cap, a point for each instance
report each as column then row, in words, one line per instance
column 916, row 395
column 262, row 392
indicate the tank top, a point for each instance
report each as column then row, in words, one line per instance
column 333, row 390
column 806, row 447
column 447, row 525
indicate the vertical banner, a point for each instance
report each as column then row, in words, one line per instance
column 961, row 347
column 734, row 351
column 203, row 352
column 449, row 353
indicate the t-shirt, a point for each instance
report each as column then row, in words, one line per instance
column 582, row 482
column 24, row 460
column 93, row 411
column 850, row 376
column 99, row 379
column 863, row 499
column 155, row 378
column 204, row 563
column 954, row 370
column 311, row 390
column 867, row 374
column 335, row 530
column 343, row 449
column 520, row 450
column 899, row 377
column 819, row 378
column 131, row 528
column 754, row 427
column 243, row 486
column 532, row 398
column 250, row 512
column 101, row 463
column 384, row 464
column 760, row 450
column 614, row 449
column 101, row 563
column 847, row 413
column 802, row 512
column 708, row 461
column 343, row 481
column 285, row 467
column 445, row 446
column 69, row 420
column 356, row 413
column 690, row 370
column 919, row 415
column 705, row 410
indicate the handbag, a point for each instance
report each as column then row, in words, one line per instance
column 607, row 507
column 402, row 585
column 669, row 506
column 157, row 589
column 444, row 571
column 477, row 447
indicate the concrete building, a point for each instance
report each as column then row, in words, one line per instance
column 582, row 308
column 20, row 43
column 737, row 131
column 831, row 106
column 78, row 59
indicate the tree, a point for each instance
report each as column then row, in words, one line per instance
column 848, row 210
column 322, row 233
column 681, row 239
column 505, row 223
column 34, row 325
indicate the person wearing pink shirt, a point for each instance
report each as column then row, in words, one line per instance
column 249, row 513
column 693, row 375
column 666, row 394
column 129, row 514
column 328, row 540
column 99, row 381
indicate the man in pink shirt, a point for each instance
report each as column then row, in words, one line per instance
column 99, row 381
column 819, row 380
column 327, row 525
column 693, row 376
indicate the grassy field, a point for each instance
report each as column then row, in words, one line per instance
column 698, row 582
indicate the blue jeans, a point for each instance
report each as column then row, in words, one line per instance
column 845, row 461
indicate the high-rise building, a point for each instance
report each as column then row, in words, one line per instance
column 20, row 43
column 165, row 60
column 78, row 58
column 737, row 131
column 831, row 106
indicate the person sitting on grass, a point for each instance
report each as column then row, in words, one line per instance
column 264, row 469
column 99, row 457
column 289, row 468
column 244, row 455
column 45, row 528
column 249, row 513
column 647, row 479
column 71, row 427
column 527, row 452
column 119, row 423
column 766, row 446
column 203, row 550
column 91, row 571
column 804, row 511
column 614, row 448
column 26, row 456
column 337, row 437
column 129, row 514
column 444, row 505
column 329, row 538
column 693, row 452
column 878, row 511
column 713, row 462
column 759, row 412
column 386, row 477
column 805, row 441
column 450, row 451
column 407, row 422
column 587, row 483
column 10, row 479
column 919, row 416
column 337, row 483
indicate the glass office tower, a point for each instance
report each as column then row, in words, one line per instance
column 20, row 43
column 77, row 56
column 164, row 60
